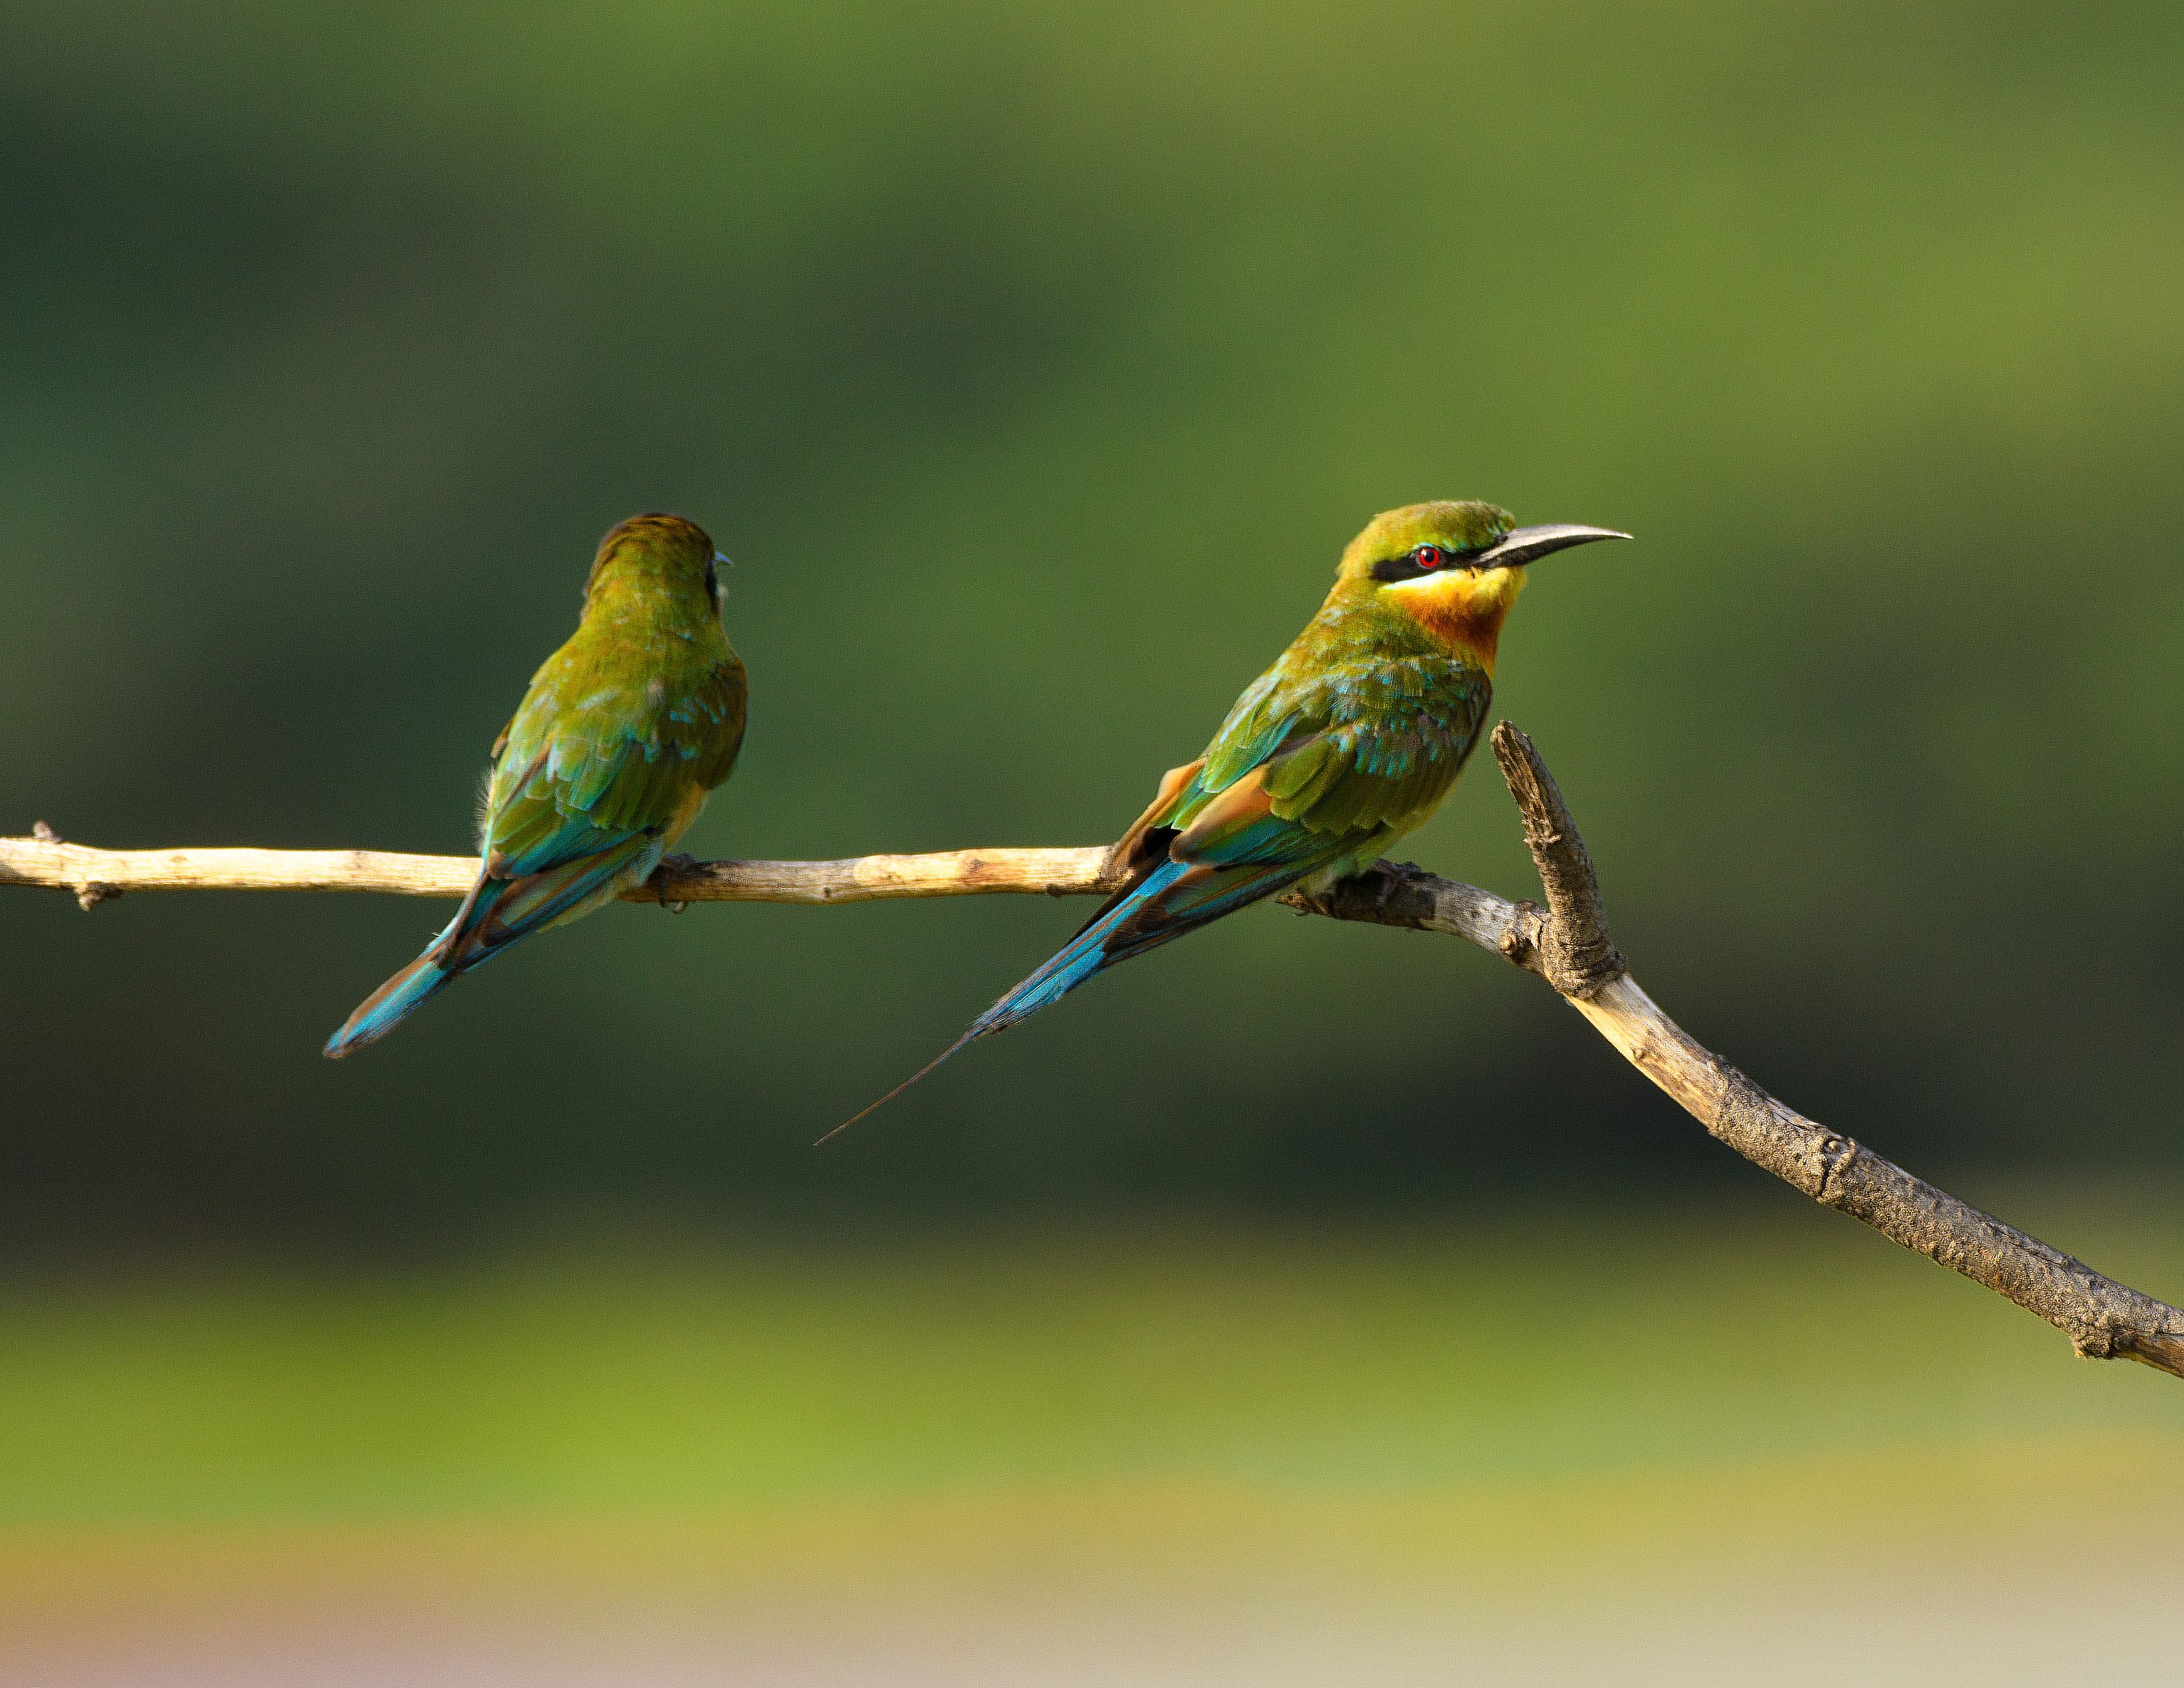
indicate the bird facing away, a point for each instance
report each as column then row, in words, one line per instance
column 607, row 760
column 1348, row 742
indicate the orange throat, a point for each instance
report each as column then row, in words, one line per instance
column 1464, row 613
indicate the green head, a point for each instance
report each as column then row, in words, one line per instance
column 1454, row 565
column 653, row 553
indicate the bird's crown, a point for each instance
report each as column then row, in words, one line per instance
column 1455, row 526
column 654, row 546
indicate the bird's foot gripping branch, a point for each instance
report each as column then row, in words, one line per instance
column 1565, row 942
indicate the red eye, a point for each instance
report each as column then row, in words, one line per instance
column 1427, row 556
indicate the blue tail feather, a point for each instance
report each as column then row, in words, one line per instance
column 498, row 914
column 1079, row 959
column 1160, row 907
column 386, row 1008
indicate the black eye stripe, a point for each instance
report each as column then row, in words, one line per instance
column 712, row 580
column 1407, row 567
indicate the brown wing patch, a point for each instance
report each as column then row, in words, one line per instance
column 1123, row 860
column 1143, row 846
column 1244, row 802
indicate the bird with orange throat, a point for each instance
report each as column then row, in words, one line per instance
column 1349, row 741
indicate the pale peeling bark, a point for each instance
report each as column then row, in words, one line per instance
column 1566, row 944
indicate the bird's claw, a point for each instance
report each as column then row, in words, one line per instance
column 670, row 866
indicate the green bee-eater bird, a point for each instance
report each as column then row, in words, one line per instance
column 1348, row 742
column 611, row 755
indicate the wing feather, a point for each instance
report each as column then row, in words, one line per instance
column 591, row 760
column 1342, row 753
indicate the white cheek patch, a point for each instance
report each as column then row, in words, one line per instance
column 1451, row 587
column 1439, row 582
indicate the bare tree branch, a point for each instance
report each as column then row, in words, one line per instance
column 98, row 876
column 1566, row 944
column 2103, row 1318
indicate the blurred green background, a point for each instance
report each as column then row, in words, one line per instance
column 1033, row 364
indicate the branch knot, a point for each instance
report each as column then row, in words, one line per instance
column 2101, row 1337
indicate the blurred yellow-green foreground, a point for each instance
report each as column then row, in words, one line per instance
column 1307, row 1303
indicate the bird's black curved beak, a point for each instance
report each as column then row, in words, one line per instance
column 1529, row 544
